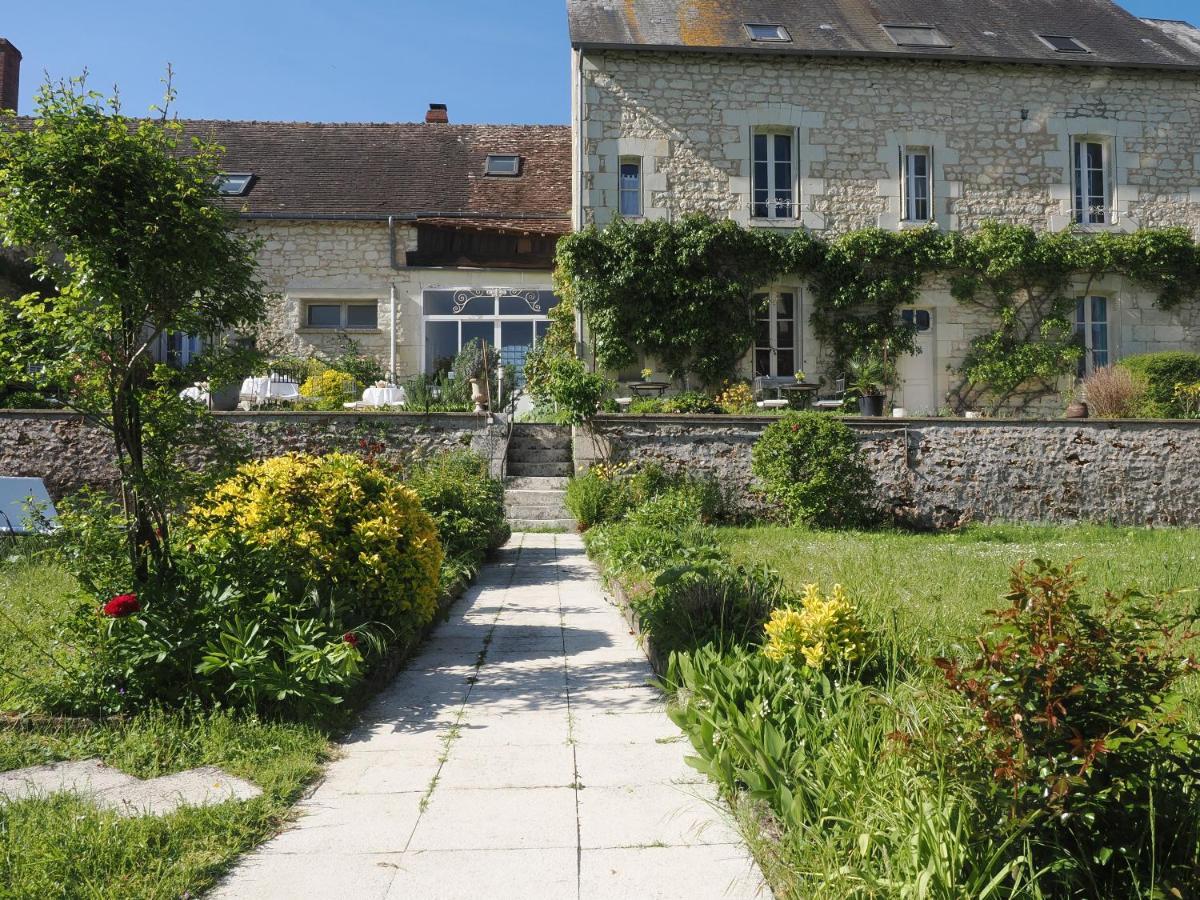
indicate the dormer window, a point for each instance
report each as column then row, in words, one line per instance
column 1062, row 44
column 503, row 165
column 770, row 34
column 927, row 36
column 234, row 184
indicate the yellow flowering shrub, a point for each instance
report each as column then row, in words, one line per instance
column 824, row 629
column 334, row 524
column 736, row 397
column 328, row 389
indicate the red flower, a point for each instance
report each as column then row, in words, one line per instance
column 350, row 638
column 121, row 606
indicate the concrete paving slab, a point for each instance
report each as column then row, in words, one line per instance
column 721, row 872
column 267, row 875
column 205, row 786
column 347, row 824
column 402, row 771
column 596, row 726
column 523, row 818
column 625, row 765
column 486, row 874
column 651, row 814
column 86, row 777
column 514, row 766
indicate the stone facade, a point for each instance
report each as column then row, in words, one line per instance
column 938, row 474
column 305, row 261
column 68, row 453
column 999, row 134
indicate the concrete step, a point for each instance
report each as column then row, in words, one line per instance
column 528, row 430
column 537, row 514
column 535, row 498
column 514, row 483
column 516, row 445
column 539, row 470
column 519, row 525
column 539, row 455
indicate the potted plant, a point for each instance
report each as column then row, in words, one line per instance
column 868, row 379
column 1076, row 407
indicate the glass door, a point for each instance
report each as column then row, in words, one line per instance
column 775, row 335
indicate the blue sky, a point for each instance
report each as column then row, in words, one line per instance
column 357, row 60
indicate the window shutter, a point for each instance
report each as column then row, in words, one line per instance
column 903, row 184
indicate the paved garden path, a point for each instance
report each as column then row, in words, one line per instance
column 521, row 755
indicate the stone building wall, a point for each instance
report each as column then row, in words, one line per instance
column 1000, row 136
column 307, row 261
column 941, row 473
column 69, row 454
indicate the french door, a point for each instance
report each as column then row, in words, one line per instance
column 776, row 348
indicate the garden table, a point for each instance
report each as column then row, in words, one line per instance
column 649, row 388
column 384, row 396
column 267, row 388
column 801, row 391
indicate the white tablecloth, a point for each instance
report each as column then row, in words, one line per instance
column 195, row 394
column 264, row 389
column 385, row 396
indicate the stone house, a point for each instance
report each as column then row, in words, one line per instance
column 410, row 240
column 837, row 115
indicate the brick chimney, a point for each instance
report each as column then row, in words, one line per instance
column 437, row 115
column 10, row 75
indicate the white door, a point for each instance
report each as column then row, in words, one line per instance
column 918, row 383
column 775, row 335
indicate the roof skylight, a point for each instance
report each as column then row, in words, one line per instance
column 504, row 164
column 916, row 36
column 1062, row 43
column 234, row 184
column 774, row 34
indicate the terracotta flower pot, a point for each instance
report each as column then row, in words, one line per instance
column 1077, row 409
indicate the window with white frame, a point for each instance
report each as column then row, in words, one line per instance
column 916, row 183
column 1092, row 181
column 776, row 348
column 1091, row 330
column 773, row 178
column 341, row 315
column 630, row 186
column 511, row 319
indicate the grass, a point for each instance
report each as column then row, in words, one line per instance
column 937, row 586
column 62, row 846
column 886, row 827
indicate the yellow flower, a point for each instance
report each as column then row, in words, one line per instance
column 823, row 629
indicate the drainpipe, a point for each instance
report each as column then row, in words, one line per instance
column 392, row 342
column 392, row 298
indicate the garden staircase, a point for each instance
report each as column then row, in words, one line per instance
column 539, row 464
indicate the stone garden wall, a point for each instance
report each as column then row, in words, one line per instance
column 68, row 453
column 942, row 472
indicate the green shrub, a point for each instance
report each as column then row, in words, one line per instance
column 692, row 402
column 1161, row 373
column 648, row 406
column 809, row 465
column 576, row 392
column 690, row 502
column 611, row 492
column 594, row 498
column 466, row 504
column 707, row 602
column 334, row 526
column 819, row 631
column 1077, row 732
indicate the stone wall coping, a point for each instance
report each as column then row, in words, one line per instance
column 476, row 419
column 888, row 424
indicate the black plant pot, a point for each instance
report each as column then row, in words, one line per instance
column 871, row 405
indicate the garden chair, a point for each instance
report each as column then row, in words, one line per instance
column 836, row 400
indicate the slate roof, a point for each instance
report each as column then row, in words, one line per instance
column 991, row 30
column 310, row 170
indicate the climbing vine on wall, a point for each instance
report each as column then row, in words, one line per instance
column 683, row 292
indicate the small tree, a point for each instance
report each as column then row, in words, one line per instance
column 118, row 217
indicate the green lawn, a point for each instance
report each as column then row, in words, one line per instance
column 62, row 846
column 937, row 586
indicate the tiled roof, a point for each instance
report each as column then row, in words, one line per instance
column 372, row 171
column 998, row 30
